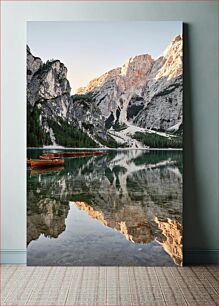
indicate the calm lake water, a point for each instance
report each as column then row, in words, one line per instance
column 123, row 208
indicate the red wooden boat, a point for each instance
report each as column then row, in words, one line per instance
column 51, row 156
column 39, row 163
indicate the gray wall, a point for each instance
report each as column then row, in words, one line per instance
column 200, row 106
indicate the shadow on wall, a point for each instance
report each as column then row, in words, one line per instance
column 192, row 226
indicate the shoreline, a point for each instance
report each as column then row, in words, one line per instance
column 106, row 149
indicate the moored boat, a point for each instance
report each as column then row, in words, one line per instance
column 70, row 154
column 39, row 163
column 50, row 156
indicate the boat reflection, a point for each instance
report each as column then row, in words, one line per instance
column 45, row 171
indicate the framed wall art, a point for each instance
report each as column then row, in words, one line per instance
column 104, row 143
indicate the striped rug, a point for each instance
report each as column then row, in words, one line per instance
column 126, row 286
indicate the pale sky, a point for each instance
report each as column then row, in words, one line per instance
column 89, row 49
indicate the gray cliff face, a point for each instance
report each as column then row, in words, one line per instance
column 87, row 116
column 144, row 92
column 48, row 87
column 33, row 64
column 49, row 91
column 114, row 90
column 163, row 94
column 48, row 99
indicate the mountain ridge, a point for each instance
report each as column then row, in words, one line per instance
column 143, row 94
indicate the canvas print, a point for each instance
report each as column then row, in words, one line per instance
column 104, row 143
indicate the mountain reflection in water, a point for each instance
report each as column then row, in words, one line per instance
column 133, row 192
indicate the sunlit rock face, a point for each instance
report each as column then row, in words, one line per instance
column 46, row 217
column 115, row 88
column 112, row 97
column 144, row 91
column 172, row 242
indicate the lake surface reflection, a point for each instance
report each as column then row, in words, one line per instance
column 122, row 208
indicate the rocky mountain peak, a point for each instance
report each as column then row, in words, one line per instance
column 172, row 60
column 130, row 73
column 45, row 81
column 124, row 94
column 114, row 89
column 141, row 63
column 33, row 64
column 48, row 96
column 163, row 93
column 99, row 81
